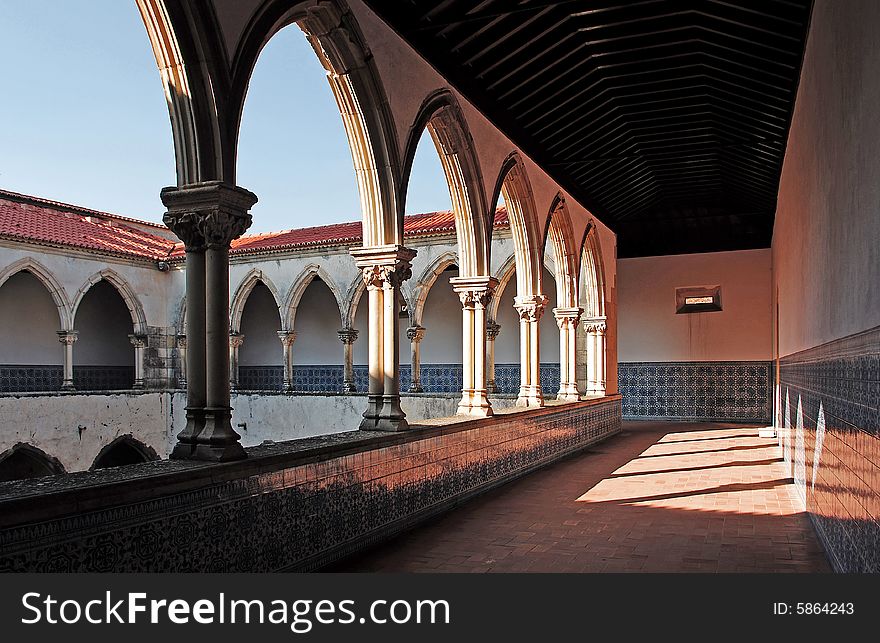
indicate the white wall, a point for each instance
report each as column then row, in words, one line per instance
column 826, row 255
column 317, row 322
column 29, row 320
column 104, row 324
column 260, row 323
column 442, row 319
column 507, row 344
column 651, row 331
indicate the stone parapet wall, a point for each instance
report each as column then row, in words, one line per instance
column 293, row 506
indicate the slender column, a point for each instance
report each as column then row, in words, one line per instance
column 207, row 217
column 492, row 331
column 348, row 336
column 140, row 344
column 595, row 328
column 236, row 340
column 567, row 320
column 415, row 335
column 181, row 351
column 287, row 337
column 530, row 310
column 68, row 338
column 384, row 269
column 475, row 294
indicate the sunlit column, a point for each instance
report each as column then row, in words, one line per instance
column 348, row 336
column 566, row 320
column 68, row 338
column 415, row 335
column 475, row 294
column 492, row 331
column 530, row 310
column 140, row 344
column 287, row 337
column 595, row 329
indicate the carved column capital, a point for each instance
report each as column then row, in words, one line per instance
column 287, row 337
column 348, row 336
column 236, row 340
column 474, row 292
column 566, row 316
column 67, row 337
column 595, row 325
column 415, row 334
column 138, row 340
column 493, row 329
column 530, row 308
column 209, row 214
column 384, row 266
column 181, row 341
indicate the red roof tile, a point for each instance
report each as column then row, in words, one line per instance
column 59, row 224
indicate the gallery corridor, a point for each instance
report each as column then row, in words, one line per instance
column 659, row 497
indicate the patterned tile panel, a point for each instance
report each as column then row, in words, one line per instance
column 830, row 433
column 30, row 377
column 697, row 391
column 103, row 378
column 260, row 378
column 309, row 514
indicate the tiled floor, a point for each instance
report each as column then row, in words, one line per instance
column 659, row 497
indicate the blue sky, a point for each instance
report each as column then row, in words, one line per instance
column 83, row 120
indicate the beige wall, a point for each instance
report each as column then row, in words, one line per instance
column 650, row 330
column 826, row 240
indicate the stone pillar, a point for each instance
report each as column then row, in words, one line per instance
column 68, row 338
column 530, row 310
column 415, row 335
column 287, row 337
column 567, row 320
column 140, row 344
column 492, row 331
column 348, row 336
column 236, row 340
column 207, row 217
column 384, row 269
column 595, row 328
column 475, row 294
column 181, row 351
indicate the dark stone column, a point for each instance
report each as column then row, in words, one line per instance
column 207, row 217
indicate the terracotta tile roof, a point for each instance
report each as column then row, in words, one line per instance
column 52, row 223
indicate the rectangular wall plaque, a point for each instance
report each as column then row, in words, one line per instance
column 697, row 299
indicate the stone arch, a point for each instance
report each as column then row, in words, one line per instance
column 513, row 184
column 294, row 295
column 352, row 300
column 334, row 34
column 591, row 271
column 135, row 308
column 505, row 274
column 560, row 234
column 45, row 277
column 251, row 279
column 122, row 451
column 441, row 115
column 426, row 281
column 22, row 461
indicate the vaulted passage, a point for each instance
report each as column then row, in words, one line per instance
column 659, row 497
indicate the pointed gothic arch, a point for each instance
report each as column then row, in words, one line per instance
column 23, row 461
column 132, row 302
column 245, row 287
column 122, row 451
column 560, row 233
column 45, row 277
column 426, row 281
column 295, row 294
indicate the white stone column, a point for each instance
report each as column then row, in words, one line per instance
column 68, row 338
column 475, row 294
column 348, row 336
column 384, row 269
column 492, row 331
column 530, row 310
column 181, row 359
column 415, row 335
column 140, row 344
column 567, row 320
column 287, row 337
column 595, row 328
column 235, row 342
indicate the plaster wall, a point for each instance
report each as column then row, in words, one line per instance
column 29, row 319
column 651, row 331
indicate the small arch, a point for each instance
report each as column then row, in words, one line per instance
column 513, row 184
column 560, row 233
column 426, row 281
column 45, row 276
column 352, row 300
column 23, row 461
column 122, row 451
column 441, row 115
column 294, row 295
column 135, row 308
column 591, row 272
column 508, row 269
column 245, row 287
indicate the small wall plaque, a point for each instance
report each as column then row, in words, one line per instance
column 697, row 299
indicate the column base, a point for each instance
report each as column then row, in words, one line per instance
column 68, row 387
column 491, row 387
column 568, row 393
column 349, row 387
column 214, row 441
column 138, row 385
column 384, row 414
column 530, row 396
column 475, row 403
column 416, row 388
